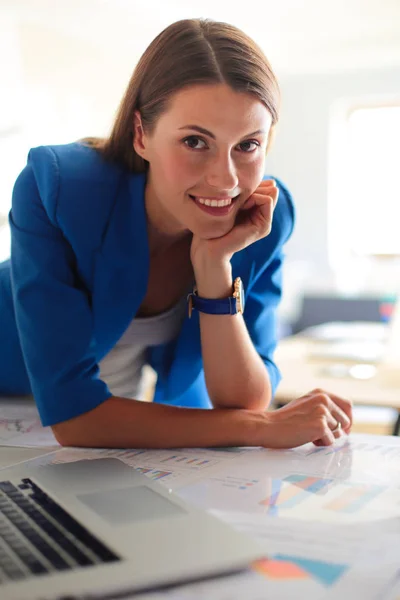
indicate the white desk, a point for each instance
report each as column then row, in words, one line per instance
column 327, row 517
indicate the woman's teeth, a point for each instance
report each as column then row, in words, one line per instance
column 217, row 203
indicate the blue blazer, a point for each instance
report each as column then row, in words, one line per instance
column 78, row 273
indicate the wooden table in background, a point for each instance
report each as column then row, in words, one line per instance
column 302, row 371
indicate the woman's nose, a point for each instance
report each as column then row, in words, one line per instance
column 222, row 174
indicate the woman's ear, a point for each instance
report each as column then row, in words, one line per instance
column 139, row 137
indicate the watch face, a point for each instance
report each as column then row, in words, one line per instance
column 242, row 297
column 240, row 294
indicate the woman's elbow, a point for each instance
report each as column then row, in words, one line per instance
column 66, row 434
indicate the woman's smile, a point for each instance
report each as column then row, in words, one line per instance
column 218, row 207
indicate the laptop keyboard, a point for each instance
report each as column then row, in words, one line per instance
column 37, row 536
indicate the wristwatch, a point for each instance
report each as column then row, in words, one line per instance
column 226, row 306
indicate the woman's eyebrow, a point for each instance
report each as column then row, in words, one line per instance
column 211, row 135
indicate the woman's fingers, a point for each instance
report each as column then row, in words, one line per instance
column 341, row 418
column 318, row 417
column 332, row 430
column 332, row 415
column 267, row 183
column 267, row 191
column 326, row 424
column 327, row 440
column 339, row 408
column 269, row 187
column 347, row 407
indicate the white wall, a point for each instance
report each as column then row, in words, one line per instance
column 80, row 83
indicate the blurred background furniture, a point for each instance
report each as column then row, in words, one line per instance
column 341, row 345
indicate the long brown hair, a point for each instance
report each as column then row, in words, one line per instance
column 188, row 52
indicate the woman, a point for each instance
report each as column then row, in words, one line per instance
column 109, row 237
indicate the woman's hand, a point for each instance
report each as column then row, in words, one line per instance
column 310, row 418
column 253, row 222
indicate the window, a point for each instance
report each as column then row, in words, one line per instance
column 364, row 189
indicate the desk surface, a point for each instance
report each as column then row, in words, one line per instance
column 302, row 373
column 12, row 456
column 328, row 518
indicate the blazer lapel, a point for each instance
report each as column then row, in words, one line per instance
column 121, row 266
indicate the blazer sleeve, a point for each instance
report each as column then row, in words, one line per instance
column 52, row 307
column 265, row 284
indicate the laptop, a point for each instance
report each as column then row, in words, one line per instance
column 100, row 529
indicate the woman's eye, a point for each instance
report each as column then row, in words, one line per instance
column 193, row 141
column 245, row 146
column 196, row 143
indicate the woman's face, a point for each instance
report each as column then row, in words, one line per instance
column 209, row 147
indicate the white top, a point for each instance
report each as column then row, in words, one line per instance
column 122, row 368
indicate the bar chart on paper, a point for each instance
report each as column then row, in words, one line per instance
column 284, row 567
column 295, row 496
column 154, row 474
column 278, row 577
column 305, row 497
column 180, row 460
column 295, row 490
column 172, row 468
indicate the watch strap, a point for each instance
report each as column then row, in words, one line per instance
column 224, row 306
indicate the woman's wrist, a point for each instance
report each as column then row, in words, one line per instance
column 214, row 281
column 256, row 425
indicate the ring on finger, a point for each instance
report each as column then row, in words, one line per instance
column 338, row 427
